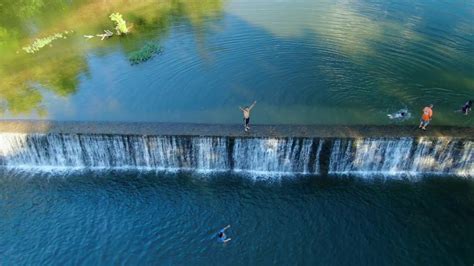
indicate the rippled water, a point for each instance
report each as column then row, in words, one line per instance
column 308, row 62
column 130, row 218
column 315, row 62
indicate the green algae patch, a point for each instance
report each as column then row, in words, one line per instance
column 147, row 52
column 42, row 42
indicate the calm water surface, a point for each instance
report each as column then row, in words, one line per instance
column 305, row 62
column 120, row 218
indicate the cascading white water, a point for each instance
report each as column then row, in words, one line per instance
column 273, row 155
column 466, row 160
column 114, row 152
column 204, row 154
column 402, row 157
column 369, row 156
column 211, row 154
column 364, row 157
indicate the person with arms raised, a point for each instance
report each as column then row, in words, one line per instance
column 246, row 112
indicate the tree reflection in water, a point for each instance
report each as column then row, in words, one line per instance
column 57, row 68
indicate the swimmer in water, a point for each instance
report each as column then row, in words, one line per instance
column 467, row 107
column 401, row 114
column 221, row 235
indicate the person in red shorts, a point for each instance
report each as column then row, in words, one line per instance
column 426, row 116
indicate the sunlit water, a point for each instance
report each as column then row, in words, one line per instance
column 148, row 219
column 315, row 62
column 305, row 62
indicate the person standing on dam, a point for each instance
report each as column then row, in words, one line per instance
column 246, row 111
column 426, row 116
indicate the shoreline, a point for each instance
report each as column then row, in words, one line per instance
column 230, row 130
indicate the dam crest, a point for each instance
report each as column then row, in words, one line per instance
column 364, row 154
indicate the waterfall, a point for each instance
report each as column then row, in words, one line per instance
column 274, row 155
column 170, row 153
column 114, row 152
column 402, row 157
column 364, row 157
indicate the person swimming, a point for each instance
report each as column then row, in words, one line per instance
column 467, row 107
column 221, row 235
column 400, row 114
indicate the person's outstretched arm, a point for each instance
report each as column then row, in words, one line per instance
column 241, row 109
column 227, row 240
column 253, row 104
column 225, row 228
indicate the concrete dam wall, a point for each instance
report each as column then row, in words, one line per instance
column 394, row 152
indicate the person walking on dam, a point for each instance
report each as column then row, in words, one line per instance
column 426, row 116
column 246, row 111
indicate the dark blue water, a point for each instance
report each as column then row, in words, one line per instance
column 133, row 218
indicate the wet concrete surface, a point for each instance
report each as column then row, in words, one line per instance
column 231, row 130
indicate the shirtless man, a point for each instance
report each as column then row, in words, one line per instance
column 246, row 112
column 426, row 116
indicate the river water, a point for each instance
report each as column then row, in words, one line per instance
column 133, row 218
column 106, row 200
column 305, row 62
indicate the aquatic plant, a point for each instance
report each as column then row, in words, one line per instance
column 60, row 74
column 120, row 24
column 145, row 53
column 42, row 42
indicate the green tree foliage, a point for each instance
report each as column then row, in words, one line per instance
column 31, row 23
